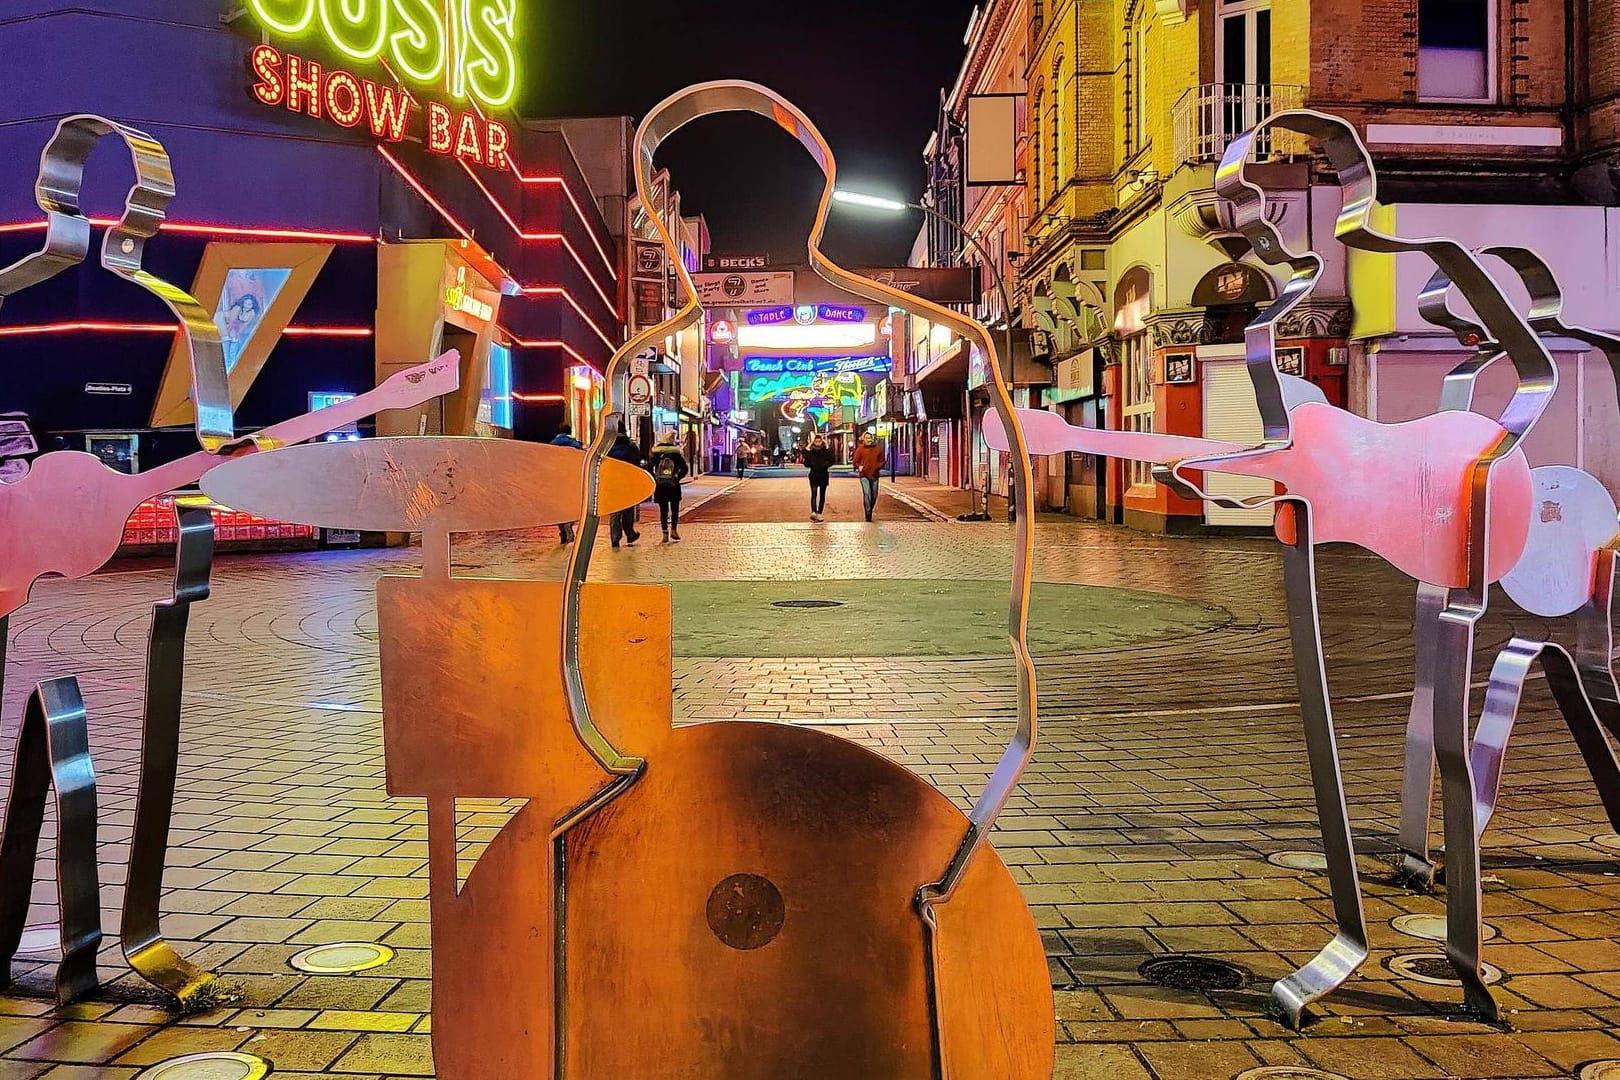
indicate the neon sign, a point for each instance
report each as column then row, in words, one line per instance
column 840, row 389
column 304, row 86
column 465, row 48
column 817, row 365
column 840, row 313
column 722, row 332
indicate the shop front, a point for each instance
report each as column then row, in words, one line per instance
column 327, row 213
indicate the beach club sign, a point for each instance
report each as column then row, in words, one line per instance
column 464, row 51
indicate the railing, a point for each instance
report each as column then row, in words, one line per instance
column 1208, row 117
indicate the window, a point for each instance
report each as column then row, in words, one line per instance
column 1137, row 76
column 1244, row 60
column 1056, row 140
column 1454, row 50
column 1137, row 398
column 1036, row 173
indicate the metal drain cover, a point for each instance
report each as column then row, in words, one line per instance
column 1601, row 1070
column 806, row 604
column 1435, row 969
column 215, row 1066
column 1432, row 927
column 1200, row 973
column 342, row 958
column 1286, row 1072
column 1298, row 860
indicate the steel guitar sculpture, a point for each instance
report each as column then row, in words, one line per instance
column 65, row 517
column 1446, row 499
column 727, row 900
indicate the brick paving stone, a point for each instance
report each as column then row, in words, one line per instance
column 1167, row 773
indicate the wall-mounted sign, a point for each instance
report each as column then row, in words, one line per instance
column 389, row 113
column 1291, row 360
column 770, row 316
column 458, row 298
column 1233, row 283
column 722, row 332
column 815, row 365
column 840, row 313
column 837, row 389
column 648, row 297
column 649, row 260
column 459, row 48
column 941, row 284
column 745, row 290
column 1180, row 369
column 120, row 389
column 736, row 262
column 804, row 314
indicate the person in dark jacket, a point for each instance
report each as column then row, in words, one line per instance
column 669, row 468
column 623, row 525
column 565, row 437
column 818, row 458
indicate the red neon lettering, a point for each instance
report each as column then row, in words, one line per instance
column 500, row 141
column 389, row 111
column 299, row 87
column 346, row 112
column 467, row 143
column 266, row 63
column 438, row 128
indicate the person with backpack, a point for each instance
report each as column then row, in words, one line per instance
column 818, row 458
column 623, row 524
column 565, row 437
column 669, row 468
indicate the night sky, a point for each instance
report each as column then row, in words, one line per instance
column 868, row 72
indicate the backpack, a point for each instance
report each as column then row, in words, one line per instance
column 665, row 469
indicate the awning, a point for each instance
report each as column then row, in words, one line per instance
column 951, row 367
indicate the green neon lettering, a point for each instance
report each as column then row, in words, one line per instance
column 287, row 16
column 356, row 28
column 418, row 47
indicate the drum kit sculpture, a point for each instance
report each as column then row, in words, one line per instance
column 749, row 899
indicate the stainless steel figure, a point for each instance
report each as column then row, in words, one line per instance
column 1452, row 608
column 140, row 932
column 53, row 752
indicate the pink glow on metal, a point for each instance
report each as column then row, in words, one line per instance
column 257, row 232
column 1398, row 490
column 46, row 539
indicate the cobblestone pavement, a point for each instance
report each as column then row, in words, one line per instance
column 787, row 498
column 1168, row 772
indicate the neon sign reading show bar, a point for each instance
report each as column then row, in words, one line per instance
column 463, row 49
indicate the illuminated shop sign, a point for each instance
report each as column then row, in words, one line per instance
column 806, row 315
column 838, row 389
column 840, row 314
column 775, row 316
column 460, row 48
column 817, row 365
column 850, row 336
column 390, row 114
column 722, row 332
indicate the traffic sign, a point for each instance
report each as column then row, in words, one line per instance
column 640, row 365
column 639, row 389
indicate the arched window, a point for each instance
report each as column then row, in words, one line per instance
column 1133, row 302
column 1136, row 75
column 1035, row 150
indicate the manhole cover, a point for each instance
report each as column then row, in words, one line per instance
column 1298, row 860
column 1431, row 927
column 804, row 604
column 1199, row 973
column 1286, row 1072
column 44, row 939
column 215, row 1066
column 342, row 958
column 1434, row 969
column 1601, row 1070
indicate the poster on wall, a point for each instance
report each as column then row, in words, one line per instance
column 247, row 294
column 744, row 290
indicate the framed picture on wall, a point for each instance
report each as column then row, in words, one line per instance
column 1291, row 360
column 1180, row 368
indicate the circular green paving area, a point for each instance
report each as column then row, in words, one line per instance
column 895, row 617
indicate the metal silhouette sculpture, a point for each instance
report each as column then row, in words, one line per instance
column 1445, row 499
column 725, row 900
column 65, row 516
column 1563, row 588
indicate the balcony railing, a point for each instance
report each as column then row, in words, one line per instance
column 1210, row 116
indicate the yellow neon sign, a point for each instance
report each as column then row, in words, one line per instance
column 467, row 47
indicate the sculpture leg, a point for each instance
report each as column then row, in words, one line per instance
column 1454, row 659
column 140, row 932
column 1348, row 949
column 1583, row 711
column 1502, row 699
column 53, row 750
column 1417, row 782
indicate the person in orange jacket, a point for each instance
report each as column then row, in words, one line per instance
column 869, row 462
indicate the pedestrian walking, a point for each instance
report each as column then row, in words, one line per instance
column 623, row 524
column 869, row 462
column 742, row 458
column 818, row 458
column 669, row 468
column 565, row 437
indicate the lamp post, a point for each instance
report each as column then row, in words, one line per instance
column 896, row 206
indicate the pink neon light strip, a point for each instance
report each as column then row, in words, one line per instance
column 500, row 208
column 218, row 230
column 167, row 328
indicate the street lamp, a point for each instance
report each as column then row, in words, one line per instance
column 895, row 206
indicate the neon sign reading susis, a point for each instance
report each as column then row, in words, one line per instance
column 466, row 48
